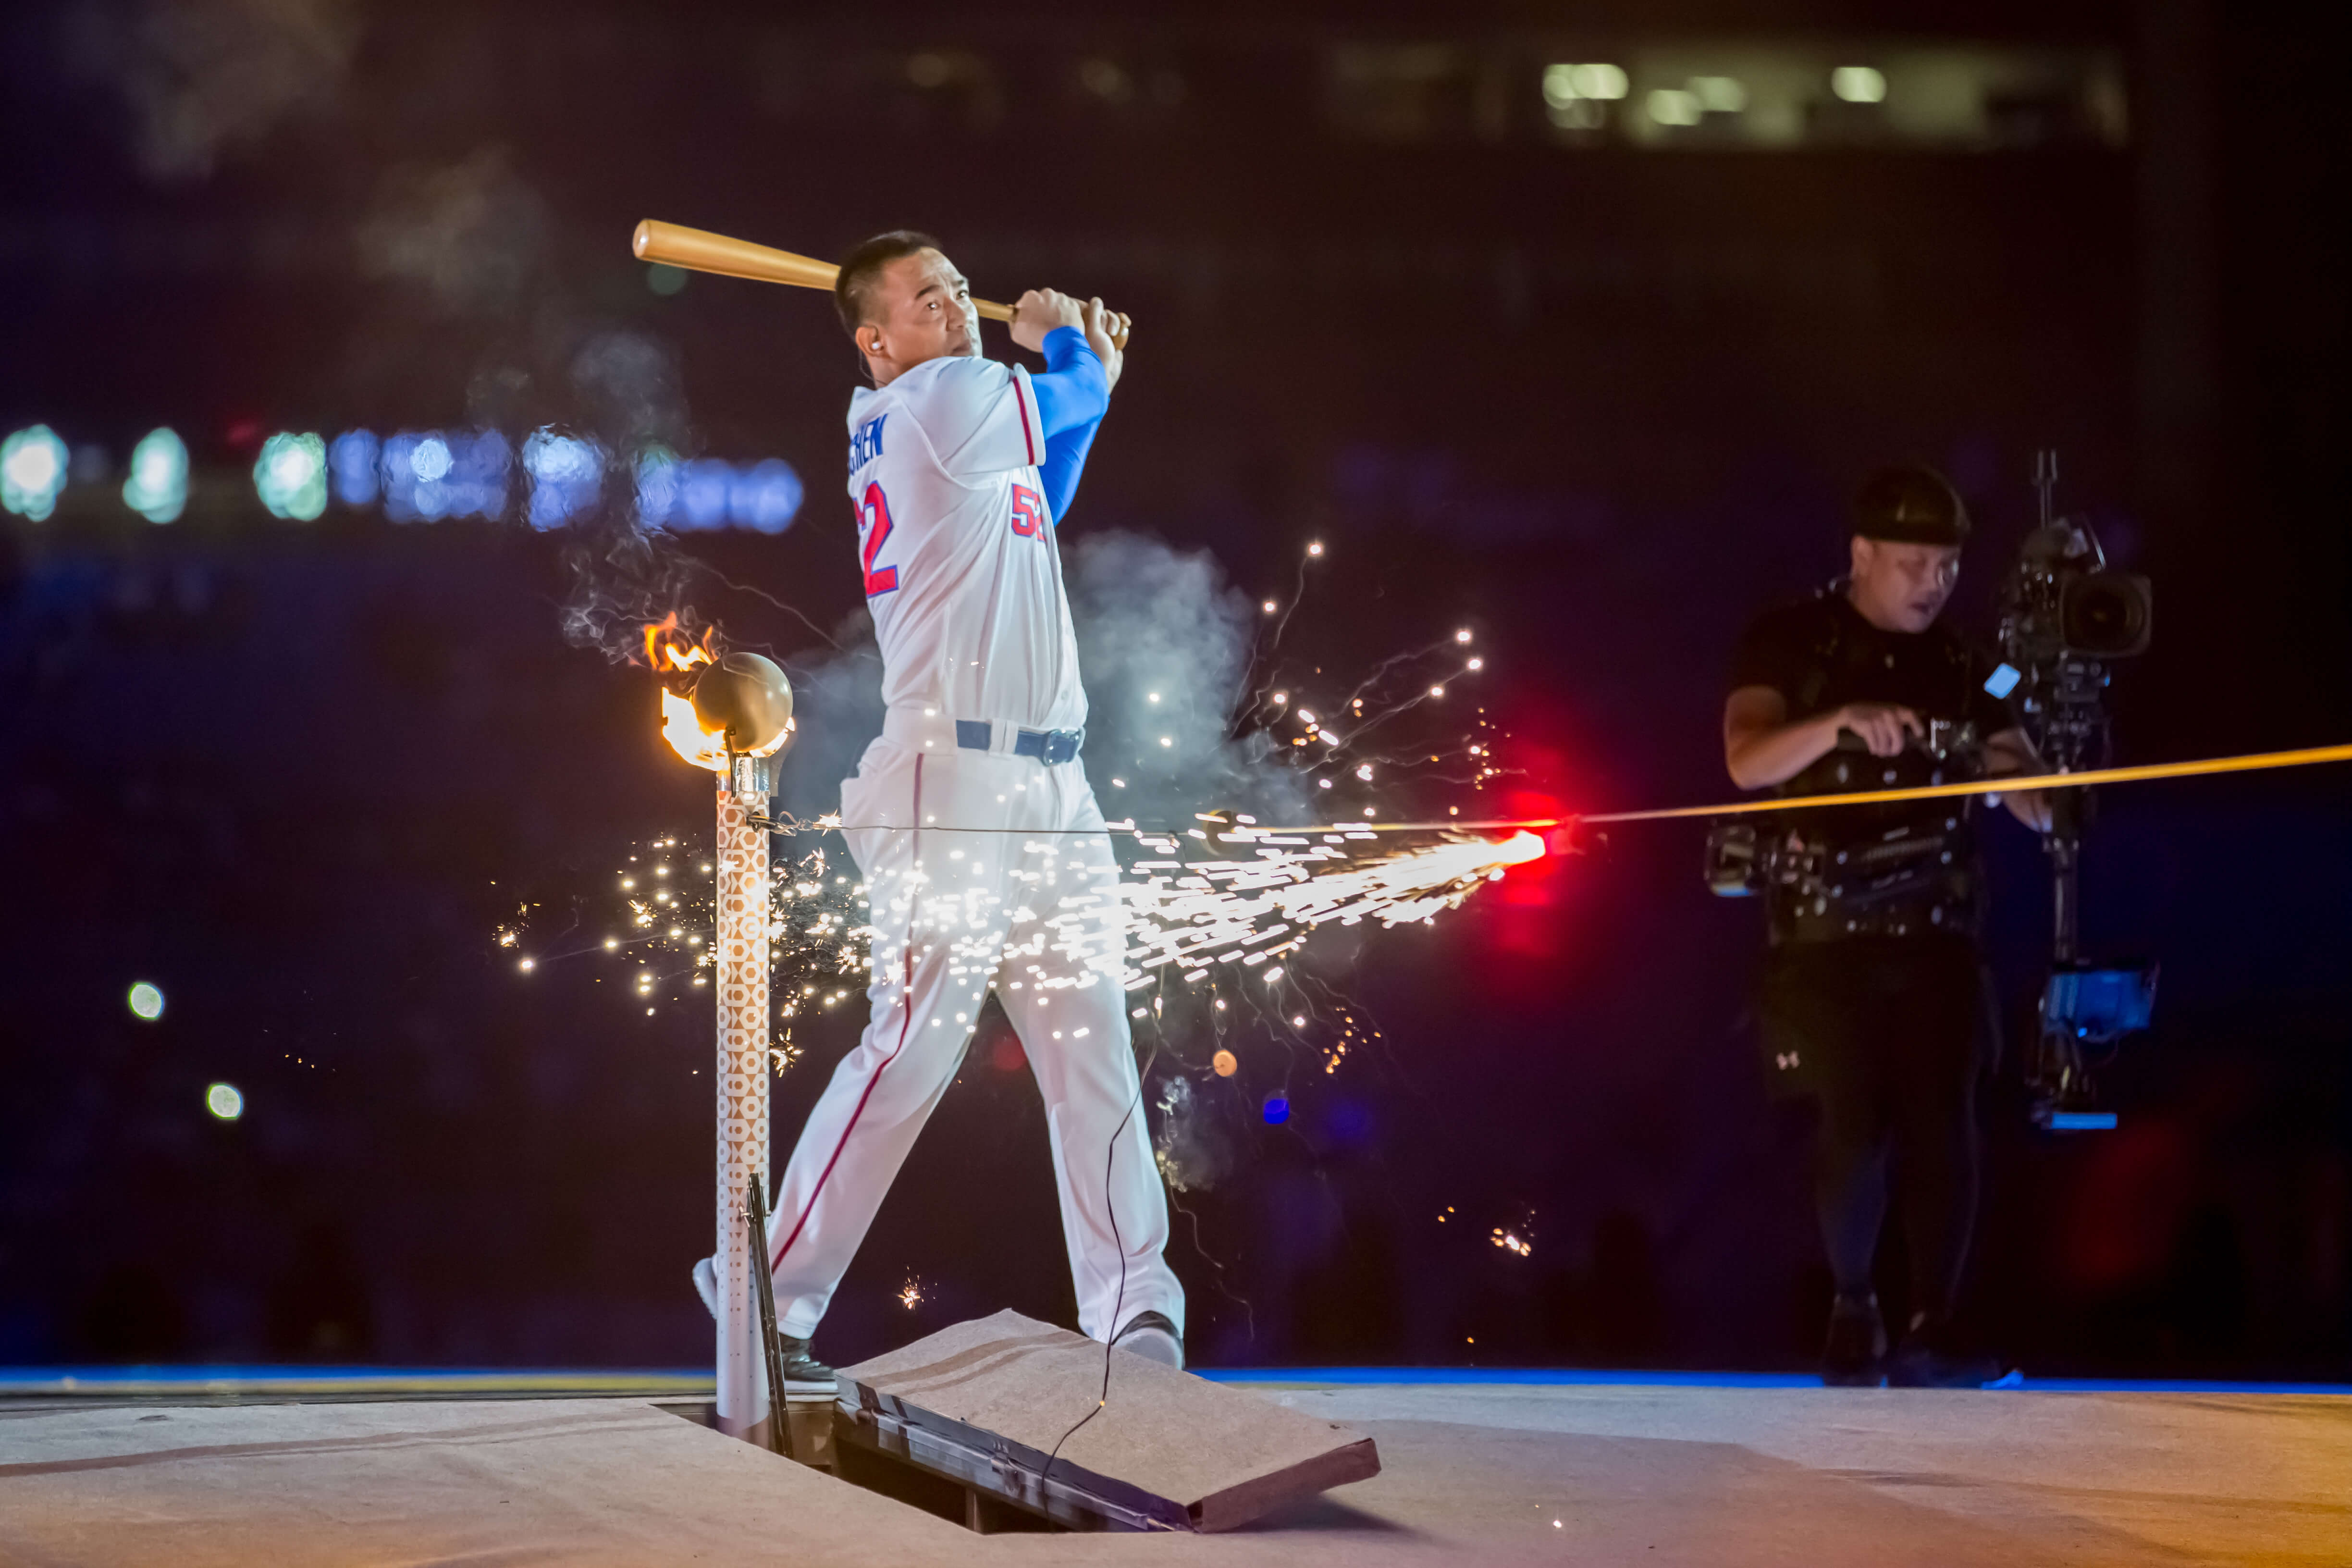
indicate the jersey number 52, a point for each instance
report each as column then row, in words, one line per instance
column 874, row 522
column 1028, row 511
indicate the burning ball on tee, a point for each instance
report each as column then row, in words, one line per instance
column 747, row 698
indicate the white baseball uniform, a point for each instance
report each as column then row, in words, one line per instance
column 986, row 866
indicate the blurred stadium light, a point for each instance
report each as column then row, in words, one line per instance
column 764, row 497
column 351, row 460
column 157, row 487
column 425, row 475
column 290, row 476
column 429, row 475
column 565, row 473
column 709, row 493
column 32, row 472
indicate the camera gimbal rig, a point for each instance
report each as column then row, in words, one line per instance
column 2065, row 617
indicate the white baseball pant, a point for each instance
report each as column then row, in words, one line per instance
column 1031, row 907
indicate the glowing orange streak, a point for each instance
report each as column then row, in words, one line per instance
column 2009, row 784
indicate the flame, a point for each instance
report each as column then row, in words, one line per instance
column 674, row 657
column 671, row 651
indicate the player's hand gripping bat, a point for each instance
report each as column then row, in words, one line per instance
column 699, row 251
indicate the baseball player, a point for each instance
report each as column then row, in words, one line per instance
column 971, row 818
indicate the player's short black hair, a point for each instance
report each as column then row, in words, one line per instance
column 853, row 289
column 1910, row 504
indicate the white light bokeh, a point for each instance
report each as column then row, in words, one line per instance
column 157, row 487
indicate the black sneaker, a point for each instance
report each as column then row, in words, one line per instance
column 803, row 1374
column 1928, row 1359
column 1152, row 1336
column 1855, row 1356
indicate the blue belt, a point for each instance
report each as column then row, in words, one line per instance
column 1049, row 746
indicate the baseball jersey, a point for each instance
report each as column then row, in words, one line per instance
column 956, row 544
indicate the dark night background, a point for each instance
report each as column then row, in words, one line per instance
column 1602, row 400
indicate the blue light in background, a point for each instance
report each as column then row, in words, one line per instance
column 657, row 485
column 478, row 469
column 423, row 476
column 157, row 488
column 350, row 460
column 765, row 498
column 565, row 475
column 429, row 459
column 431, row 474
column 1277, row 1109
column 707, row 493
column 399, row 476
column 702, row 492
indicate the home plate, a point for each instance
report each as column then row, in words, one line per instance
column 985, row 1404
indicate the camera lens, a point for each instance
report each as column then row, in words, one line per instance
column 2106, row 615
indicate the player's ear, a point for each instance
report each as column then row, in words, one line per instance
column 869, row 340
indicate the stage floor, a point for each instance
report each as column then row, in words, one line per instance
column 1661, row 1471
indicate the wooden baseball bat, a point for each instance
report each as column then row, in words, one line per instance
column 699, row 251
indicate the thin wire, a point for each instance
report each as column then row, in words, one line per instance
column 1118, row 1302
column 2008, row 784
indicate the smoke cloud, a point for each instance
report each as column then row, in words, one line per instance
column 473, row 233
column 202, row 76
column 626, row 384
column 838, row 710
column 622, row 575
column 1166, row 642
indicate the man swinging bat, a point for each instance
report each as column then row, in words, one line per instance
column 971, row 818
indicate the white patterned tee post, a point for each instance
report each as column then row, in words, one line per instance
column 741, row 983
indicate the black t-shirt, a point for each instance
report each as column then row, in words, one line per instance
column 1820, row 654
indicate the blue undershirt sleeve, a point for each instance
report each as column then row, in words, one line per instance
column 1072, row 396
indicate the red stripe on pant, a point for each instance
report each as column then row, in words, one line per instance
column 907, row 1001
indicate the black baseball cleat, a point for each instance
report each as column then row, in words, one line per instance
column 1855, row 1356
column 1928, row 1359
column 1152, row 1336
column 803, row 1374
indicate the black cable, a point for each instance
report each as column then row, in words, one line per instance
column 1118, row 1302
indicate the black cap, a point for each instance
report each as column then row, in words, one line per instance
column 1910, row 504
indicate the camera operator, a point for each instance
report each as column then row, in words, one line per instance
column 1873, row 998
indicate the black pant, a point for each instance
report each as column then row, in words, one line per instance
column 1890, row 1034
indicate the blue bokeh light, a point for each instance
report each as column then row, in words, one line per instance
column 432, row 474
column 566, row 474
column 429, row 459
column 765, row 498
column 352, row 463
column 1276, row 1110
column 702, row 492
column 657, row 485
